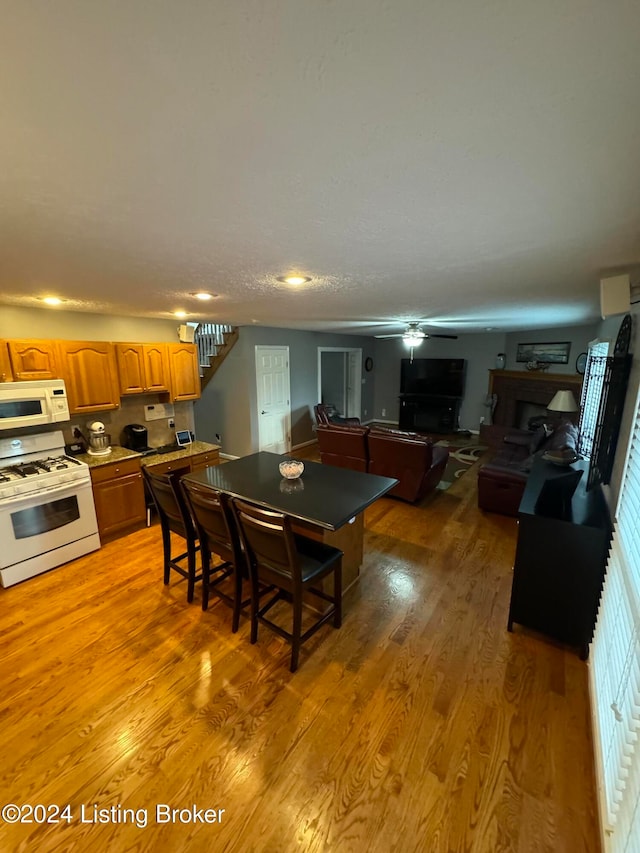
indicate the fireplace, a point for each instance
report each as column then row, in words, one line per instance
column 523, row 394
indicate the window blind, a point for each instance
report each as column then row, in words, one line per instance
column 615, row 665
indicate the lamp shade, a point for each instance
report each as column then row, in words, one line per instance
column 563, row 401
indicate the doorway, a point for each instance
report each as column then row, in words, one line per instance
column 340, row 379
column 273, row 398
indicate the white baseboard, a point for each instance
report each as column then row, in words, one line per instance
column 304, row 444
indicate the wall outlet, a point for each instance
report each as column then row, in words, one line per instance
column 73, row 428
column 384, row 413
column 366, row 412
column 171, row 423
column 482, row 419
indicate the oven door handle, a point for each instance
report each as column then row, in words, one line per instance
column 74, row 485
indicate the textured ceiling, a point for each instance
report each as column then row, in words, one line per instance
column 473, row 164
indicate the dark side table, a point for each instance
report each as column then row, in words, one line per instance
column 560, row 561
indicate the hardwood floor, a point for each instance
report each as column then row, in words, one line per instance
column 420, row 725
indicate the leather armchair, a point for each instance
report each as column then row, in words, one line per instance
column 343, row 446
column 323, row 417
column 412, row 459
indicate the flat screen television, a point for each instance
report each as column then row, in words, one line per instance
column 442, row 377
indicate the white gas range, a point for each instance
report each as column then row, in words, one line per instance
column 47, row 514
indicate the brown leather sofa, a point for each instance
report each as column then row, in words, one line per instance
column 412, row 459
column 501, row 481
column 343, row 446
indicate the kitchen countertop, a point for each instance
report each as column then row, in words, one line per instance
column 118, row 454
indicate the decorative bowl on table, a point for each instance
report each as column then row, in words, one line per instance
column 291, row 468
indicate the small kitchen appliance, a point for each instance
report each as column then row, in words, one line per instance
column 99, row 440
column 33, row 403
column 136, row 437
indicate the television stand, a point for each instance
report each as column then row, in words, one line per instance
column 429, row 413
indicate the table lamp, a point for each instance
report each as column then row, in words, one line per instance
column 563, row 402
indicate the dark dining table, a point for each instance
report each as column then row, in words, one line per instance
column 325, row 502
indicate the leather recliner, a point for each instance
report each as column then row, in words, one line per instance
column 412, row 459
column 324, row 417
column 343, row 446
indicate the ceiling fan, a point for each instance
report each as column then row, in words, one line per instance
column 414, row 334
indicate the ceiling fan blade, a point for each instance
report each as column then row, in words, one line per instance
column 450, row 337
column 388, row 336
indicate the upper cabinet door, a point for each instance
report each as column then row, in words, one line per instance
column 185, row 374
column 6, row 373
column 142, row 368
column 33, row 359
column 130, row 359
column 156, row 367
column 91, row 375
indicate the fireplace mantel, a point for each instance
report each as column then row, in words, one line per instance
column 538, row 387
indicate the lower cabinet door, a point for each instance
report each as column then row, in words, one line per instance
column 120, row 503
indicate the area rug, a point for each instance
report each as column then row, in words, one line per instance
column 461, row 458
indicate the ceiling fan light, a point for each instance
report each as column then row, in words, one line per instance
column 412, row 339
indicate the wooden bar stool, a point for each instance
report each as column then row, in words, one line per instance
column 290, row 563
column 218, row 534
column 175, row 517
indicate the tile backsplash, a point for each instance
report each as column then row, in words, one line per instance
column 132, row 411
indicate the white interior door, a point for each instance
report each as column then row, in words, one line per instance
column 274, row 404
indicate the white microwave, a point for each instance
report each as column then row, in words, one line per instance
column 26, row 404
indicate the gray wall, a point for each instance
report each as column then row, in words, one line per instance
column 578, row 336
column 228, row 404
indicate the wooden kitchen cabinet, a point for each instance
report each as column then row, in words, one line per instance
column 33, row 359
column 204, row 460
column 6, row 373
column 183, row 464
column 118, row 493
column 90, row 373
column 185, row 372
column 142, row 368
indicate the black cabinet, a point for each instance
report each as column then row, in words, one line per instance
column 560, row 561
column 428, row 413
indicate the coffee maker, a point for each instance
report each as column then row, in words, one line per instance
column 135, row 437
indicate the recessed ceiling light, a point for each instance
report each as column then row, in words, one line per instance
column 180, row 313
column 294, row 279
column 202, row 294
column 52, row 300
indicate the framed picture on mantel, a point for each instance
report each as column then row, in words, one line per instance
column 548, row 353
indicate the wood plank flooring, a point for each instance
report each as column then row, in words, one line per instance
column 421, row 725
